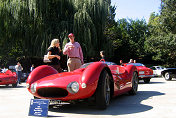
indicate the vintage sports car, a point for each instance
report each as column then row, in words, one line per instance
column 169, row 73
column 95, row 81
column 24, row 74
column 8, row 77
column 144, row 73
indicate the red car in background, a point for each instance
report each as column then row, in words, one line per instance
column 144, row 72
column 95, row 81
column 8, row 77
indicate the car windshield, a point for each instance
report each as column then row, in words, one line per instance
column 153, row 68
column 87, row 64
column 110, row 63
column 157, row 68
column 135, row 64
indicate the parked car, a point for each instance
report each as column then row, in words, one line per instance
column 95, row 81
column 8, row 77
column 24, row 74
column 144, row 72
column 169, row 73
column 157, row 70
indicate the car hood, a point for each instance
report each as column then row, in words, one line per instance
column 142, row 68
column 5, row 76
column 60, row 79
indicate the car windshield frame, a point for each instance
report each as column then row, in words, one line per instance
column 107, row 62
column 135, row 64
column 157, row 68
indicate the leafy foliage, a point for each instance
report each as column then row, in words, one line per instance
column 28, row 26
column 128, row 38
column 162, row 40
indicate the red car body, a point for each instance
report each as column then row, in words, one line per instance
column 99, row 80
column 144, row 72
column 8, row 77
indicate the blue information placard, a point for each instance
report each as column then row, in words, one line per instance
column 39, row 107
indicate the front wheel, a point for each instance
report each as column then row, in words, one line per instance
column 147, row 80
column 135, row 82
column 167, row 76
column 103, row 90
column 15, row 85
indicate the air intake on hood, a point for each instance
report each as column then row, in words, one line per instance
column 52, row 92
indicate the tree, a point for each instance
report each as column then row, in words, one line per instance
column 89, row 25
column 128, row 37
column 162, row 41
column 28, row 26
column 168, row 16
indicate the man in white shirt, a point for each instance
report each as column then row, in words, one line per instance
column 19, row 69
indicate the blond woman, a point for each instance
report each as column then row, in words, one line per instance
column 54, row 52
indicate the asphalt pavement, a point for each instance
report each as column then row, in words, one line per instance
column 154, row 100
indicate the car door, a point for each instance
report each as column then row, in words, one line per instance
column 120, row 78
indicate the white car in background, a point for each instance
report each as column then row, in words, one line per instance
column 157, row 70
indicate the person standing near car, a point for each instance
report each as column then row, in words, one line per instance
column 121, row 62
column 32, row 67
column 19, row 69
column 102, row 54
column 74, row 52
column 131, row 61
column 54, row 52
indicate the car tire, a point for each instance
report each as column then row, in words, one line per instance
column 167, row 76
column 147, row 80
column 135, row 82
column 103, row 91
column 14, row 85
column 36, row 97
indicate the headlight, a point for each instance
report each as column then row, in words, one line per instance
column 141, row 72
column 73, row 87
column 83, row 85
column 33, row 87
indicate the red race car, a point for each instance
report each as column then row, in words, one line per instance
column 95, row 81
column 144, row 73
column 8, row 77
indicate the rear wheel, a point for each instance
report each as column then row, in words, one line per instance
column 135, row 81
column 14, row 85
column 167, row 76
column 147, row 80
column 103, row 90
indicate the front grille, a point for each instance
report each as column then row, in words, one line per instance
column 52, row 92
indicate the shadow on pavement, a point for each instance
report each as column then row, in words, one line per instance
column 10, row 86
column 141, row 82
column 53, row 116
column 123, row 104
